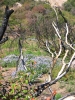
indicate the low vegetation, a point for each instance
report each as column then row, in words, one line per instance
column 32, row 23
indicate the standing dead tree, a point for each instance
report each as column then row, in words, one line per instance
column 55, row 55
column 20, row 63
column 3, row 28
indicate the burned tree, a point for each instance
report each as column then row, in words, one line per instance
column 20, row 63
column 3, row 28
column 56, row 54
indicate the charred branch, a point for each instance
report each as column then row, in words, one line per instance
column 3, row 28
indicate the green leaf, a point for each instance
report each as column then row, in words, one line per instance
column 26, row 81
column 25, row 91
column 58, row 96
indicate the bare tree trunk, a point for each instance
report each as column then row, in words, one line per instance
column 5, row 22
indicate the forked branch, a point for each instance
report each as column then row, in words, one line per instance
column 63, row 70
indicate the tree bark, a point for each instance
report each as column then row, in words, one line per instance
column 3, row 28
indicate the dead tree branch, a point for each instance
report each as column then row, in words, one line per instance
column 3, row 28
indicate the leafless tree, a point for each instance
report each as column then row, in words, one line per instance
column 56, row 54
column 20, row 63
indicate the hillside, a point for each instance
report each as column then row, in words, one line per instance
column 57, row 2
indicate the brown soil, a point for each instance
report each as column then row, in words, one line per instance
column 6, row 72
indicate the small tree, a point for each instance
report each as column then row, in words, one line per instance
column 57, row 54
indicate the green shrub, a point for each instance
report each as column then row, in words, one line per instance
column 10, row 64
column 57, row 96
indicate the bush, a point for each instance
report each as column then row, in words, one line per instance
column 10, row 2
column 70, row 6
column 58, row 96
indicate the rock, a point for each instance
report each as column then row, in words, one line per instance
column 70, row 98
column 16, row 5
